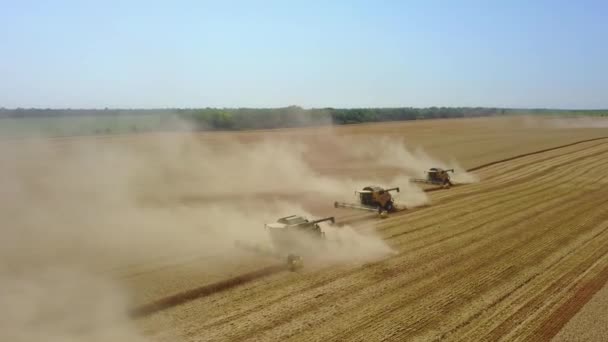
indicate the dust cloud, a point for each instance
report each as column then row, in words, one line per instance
column 579, row 122
column 408, row 163
column 344, row 244
column 59, row 303
column 415, row 163
column 74, row 210
column 554, row 122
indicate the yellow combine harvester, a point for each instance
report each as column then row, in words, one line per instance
column 436, row 176
column 291, row 238
column 292, row 235
column 373, row 198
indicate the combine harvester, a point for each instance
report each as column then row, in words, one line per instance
column 291, row 237
column 375, row 199
column 436, row 176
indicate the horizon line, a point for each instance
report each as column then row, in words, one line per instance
column 282, row 107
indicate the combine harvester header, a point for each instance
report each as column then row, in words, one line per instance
column 436, row 176
column 374, row 199
column 291, row 237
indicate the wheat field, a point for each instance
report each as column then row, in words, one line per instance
column 516, row 254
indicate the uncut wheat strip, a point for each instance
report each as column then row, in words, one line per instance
column 496, row 170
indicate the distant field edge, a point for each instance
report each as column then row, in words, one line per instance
column 104, row 132
column 479, row 167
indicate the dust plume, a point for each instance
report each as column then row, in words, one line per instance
column 415, row 163
column 406, row 163
column 60, row 303
column 75, row 210
column 347, row 245
column 556, row 122
column 227, row 168
column 578, row 122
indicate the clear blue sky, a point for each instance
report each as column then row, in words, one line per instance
column 144, row 54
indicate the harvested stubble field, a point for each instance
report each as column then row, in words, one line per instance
column 513, row 256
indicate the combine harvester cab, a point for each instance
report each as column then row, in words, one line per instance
column 436, row 176
column 293, row 235
column 373, row 198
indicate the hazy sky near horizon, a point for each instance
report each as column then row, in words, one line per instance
column 150, row 54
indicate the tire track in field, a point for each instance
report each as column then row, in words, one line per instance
column 192, row 294
column 553, row 267
column 536, row 277
column 558, row 293
column 532, row 308
column 554, row 323
column 525, row 160
column 505, row 170
column 483, row 166
column 566, row 279
column 539, row 165
column 500, row 170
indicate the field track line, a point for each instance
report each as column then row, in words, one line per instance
column 479, row 167
column 524, row 299
column 519, row 156
column 188, row 295
column 554, row 323
column 531, row 308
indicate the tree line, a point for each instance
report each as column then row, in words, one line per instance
column 292, row 116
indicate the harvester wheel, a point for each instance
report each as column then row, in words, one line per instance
column 294, row 262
